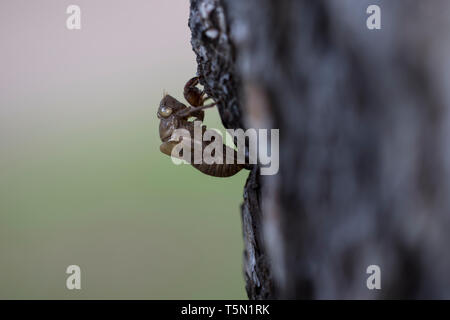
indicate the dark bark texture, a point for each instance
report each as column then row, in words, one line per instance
column 364, row 141
column 216, row 61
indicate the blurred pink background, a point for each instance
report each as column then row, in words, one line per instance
column 82, row 180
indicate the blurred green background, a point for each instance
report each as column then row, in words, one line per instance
column 82, row 180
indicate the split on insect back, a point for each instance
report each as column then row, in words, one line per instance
column 184, row 137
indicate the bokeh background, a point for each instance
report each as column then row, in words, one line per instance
column 82, row 180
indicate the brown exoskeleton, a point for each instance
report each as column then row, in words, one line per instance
column 175, row 115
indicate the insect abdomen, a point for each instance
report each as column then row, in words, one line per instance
column 224, row 169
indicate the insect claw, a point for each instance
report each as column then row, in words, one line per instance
column 190, row 111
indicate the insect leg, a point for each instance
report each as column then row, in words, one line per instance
column 190, row 111
column 193, row 94
column 167, row 147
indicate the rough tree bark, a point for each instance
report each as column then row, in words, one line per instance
column 216, row 61
column 364, row 128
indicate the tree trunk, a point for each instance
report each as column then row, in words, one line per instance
column 364, row 125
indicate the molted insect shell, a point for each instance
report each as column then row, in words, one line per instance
column 165, row 111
